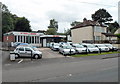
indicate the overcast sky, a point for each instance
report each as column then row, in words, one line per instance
column 39, row 12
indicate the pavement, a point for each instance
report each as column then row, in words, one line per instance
column 48, row 53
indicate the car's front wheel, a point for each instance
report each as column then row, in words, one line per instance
column 36, row 56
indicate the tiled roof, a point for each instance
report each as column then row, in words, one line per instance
column 87, row 23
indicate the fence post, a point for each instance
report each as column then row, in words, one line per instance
column 31, row 56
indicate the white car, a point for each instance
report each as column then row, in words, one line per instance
column 102, row 47
column 79, row 48
column 55, row 46
column 91, row 48
column 51, row 44
column 66, row 50
column 26, row 51
column 111, row 47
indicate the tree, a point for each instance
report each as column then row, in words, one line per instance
column 7, row 21
column 102, row 16
column 112, row 27
column 22, row 24
column 53, row 24
column 73, row 24
column 51, row 31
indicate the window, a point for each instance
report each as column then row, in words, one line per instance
column 21, row 49
column 99, row 29
column 18, row 38
column 97, row 38
column 15, row 39
column 27, row 49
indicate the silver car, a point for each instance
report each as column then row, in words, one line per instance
column 55, row 46
column 91, row 48
column 79, row 48
column 66, row 50
column 26, row 51
column 102, row 47
column 111, row 47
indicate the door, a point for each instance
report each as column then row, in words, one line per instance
column 44, row 42
column 21, row 51
column 28, row 52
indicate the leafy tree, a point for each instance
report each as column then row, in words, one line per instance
column 68, row 32
column 53, row 24
column 112, row 27
column 102, row 16
column 7, row 21
column 75, row 23
column 22, row 24
column 60, row 33
column 51, row 31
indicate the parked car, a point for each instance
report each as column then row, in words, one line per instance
column 111, row 47
column 66, row 50
column 91, row 48
column 79, row 48
column 26, row 51
column 16, row 44
column 24, row 44
column 62, row 43
column 69, row 43
column 55, row 46
column 102, row 47
column 51, row 44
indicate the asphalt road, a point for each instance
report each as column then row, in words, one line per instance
column 62, row 70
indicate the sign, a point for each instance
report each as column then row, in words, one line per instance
column 55, row 35
column 28, row 33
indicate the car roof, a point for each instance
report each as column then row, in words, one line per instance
column 24, row 46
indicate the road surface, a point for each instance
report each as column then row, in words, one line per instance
column 63, row 70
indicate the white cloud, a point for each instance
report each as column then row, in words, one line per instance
column 39, row 12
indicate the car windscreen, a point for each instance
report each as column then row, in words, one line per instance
column 90, row 46
column 56, row 44
column 79, row 46
column 35, row 49
column 101, row 45
column 108, row 45
column 67, row 47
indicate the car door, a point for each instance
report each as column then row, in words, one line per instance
column 21, row 51
column 28, row 52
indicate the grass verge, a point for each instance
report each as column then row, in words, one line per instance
column 93, row 54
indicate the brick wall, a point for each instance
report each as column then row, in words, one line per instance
column 8, row 38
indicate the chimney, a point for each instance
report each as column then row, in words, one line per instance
column 84, row 20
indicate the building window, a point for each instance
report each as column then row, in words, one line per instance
column 99, row 29
column 32, row 39
column 21, row 39
column 18, row 38
column 97, row 38
column 26, row 39
column 15, row 38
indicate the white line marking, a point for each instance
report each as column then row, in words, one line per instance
column 20, row 61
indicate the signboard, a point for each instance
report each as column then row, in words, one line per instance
column 27, row 33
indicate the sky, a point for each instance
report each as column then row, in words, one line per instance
column 40, row 12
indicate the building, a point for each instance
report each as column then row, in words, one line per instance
column 88, row 31
column 119, row 12
column 31, row 38
column 25, row 37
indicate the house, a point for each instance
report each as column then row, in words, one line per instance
column 88, row 30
